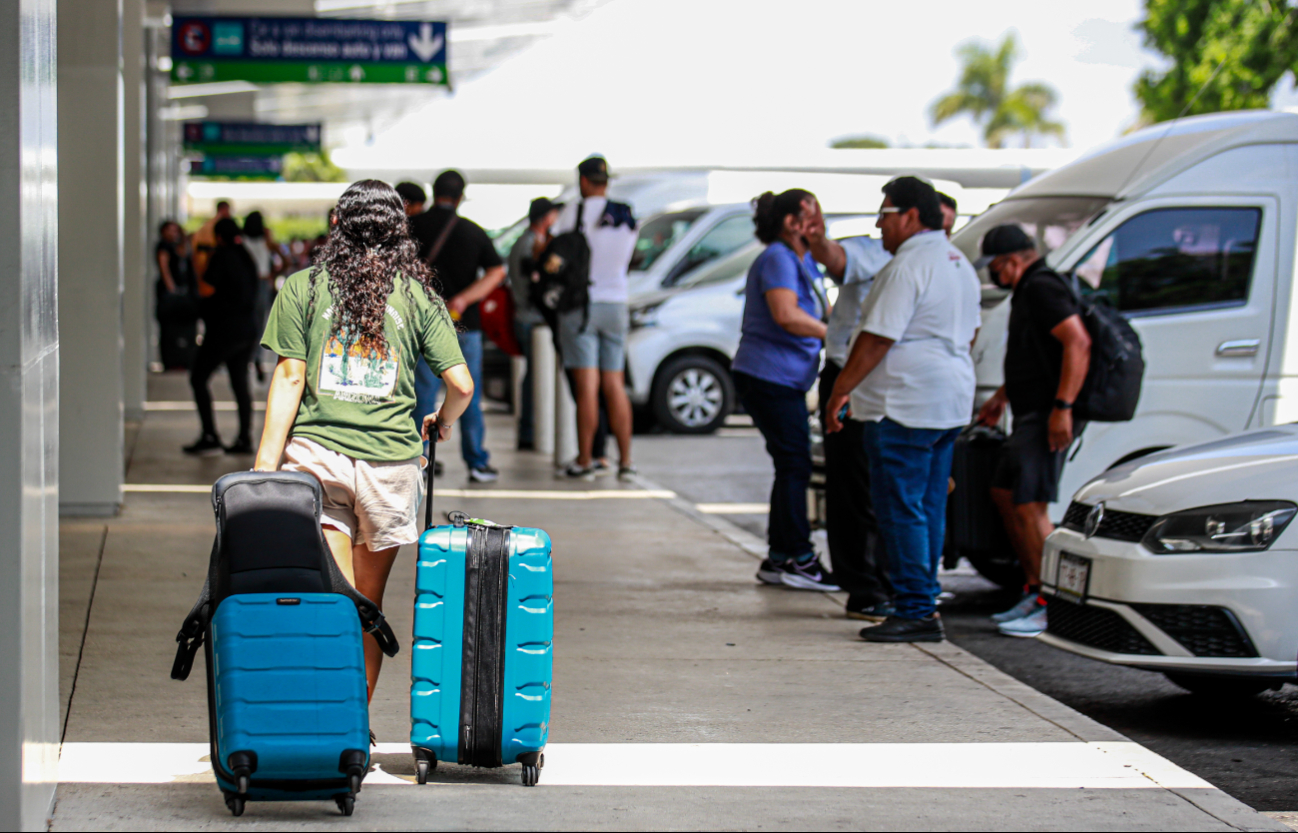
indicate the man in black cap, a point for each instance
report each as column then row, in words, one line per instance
column 1047, row 354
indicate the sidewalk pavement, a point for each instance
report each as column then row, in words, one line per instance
column 685, row 695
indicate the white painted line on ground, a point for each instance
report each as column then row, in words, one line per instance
column 186, row 405
column 1108, row 765
column 733, row 508
column 505, row 494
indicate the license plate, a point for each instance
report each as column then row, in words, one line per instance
column 1073, row 576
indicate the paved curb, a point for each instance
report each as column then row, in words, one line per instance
column 1215, row 802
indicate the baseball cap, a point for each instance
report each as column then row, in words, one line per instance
column 595, row 169
column 1003, row 240
column 539, row 208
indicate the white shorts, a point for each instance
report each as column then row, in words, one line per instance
column 375, row 503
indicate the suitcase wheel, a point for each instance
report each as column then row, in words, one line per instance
column 235, row 803
column 346, row 803
column 531, row 774
column 421, row 771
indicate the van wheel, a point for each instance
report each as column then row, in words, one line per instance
column 692, row 395
column 1220, row 687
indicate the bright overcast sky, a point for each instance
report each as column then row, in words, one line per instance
column 647, row 81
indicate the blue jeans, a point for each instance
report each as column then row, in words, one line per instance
column 909, row 470
column 780, row 413
column 473, row 429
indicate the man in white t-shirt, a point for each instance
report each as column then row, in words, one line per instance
column 911, row 360
column 593, row 340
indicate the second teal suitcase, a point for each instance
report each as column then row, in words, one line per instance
column 482, row 654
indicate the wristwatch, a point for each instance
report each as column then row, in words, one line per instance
column 1061, row 405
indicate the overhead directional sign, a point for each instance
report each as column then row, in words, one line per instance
column 308, row 50
column 238, row 167
column 251, row 138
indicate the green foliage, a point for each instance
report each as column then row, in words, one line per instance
column 983, row 93
column 306, row 227
column 1252, row 41
column 311, row 167
column 872, row 142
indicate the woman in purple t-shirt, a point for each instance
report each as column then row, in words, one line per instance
column 776, row 364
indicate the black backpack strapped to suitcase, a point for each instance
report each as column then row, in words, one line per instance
column 282, row 627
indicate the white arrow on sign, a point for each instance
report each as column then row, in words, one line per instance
column 356, row 73
column 425, row 46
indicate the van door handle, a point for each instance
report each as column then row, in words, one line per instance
column 1241, row 349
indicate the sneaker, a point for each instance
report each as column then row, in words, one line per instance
column 769, row 573
column 482, row 474
column 870, row 613
column 205, row 446
column 807, row 575
column 1025, row 607
column 1034, row 624
column 896, row 629
column 241, row 446
column 601, row 467
column 575, row 472
column 625, row 473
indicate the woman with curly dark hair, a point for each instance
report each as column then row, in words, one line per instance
column 349, row 332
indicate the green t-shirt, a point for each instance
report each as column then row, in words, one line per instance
column 358, row 402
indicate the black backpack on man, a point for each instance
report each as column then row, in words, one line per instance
column 1112, row 387
column 561, row 275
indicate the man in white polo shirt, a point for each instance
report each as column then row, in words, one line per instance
column 913, row 354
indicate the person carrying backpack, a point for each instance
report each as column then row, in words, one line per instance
column 1047, row 355
column 592, row 316
column 348, row 333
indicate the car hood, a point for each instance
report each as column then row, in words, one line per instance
column 1254, row 465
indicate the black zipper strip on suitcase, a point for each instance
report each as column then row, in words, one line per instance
column 482, row 672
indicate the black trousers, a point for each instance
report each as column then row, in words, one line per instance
column 236, row 354
column 856, row 552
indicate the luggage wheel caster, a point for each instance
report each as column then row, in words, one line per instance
column 421, row 771
column 531, row 774
column 346, row 804
column 235, row 803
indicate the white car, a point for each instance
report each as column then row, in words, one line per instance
column 675, row 242
column 1183, row 562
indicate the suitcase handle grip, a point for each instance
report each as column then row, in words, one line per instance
column 433, row 439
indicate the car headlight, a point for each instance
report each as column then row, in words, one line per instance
column 1250, row 526
column 645, row 316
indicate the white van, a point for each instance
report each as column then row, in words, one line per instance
column 1189, row 228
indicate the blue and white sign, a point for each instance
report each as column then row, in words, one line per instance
column 306, row 49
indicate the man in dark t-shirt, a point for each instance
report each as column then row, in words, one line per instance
column 1047, row 354
column 463, row 250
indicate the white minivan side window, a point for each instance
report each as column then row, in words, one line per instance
column 1170, row 259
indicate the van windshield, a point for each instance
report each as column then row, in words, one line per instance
column 1051, row 221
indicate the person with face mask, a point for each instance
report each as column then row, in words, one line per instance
column 1047, row 354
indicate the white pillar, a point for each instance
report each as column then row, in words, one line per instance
column 565, row 419
column 29, row 443
column 137, row 307
column 90, row 256
column 543, row 367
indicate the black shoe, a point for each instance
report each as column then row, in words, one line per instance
column 241, row 446
column 205, row 446
column 261, row 373
column 526, row 446
column 768, row 572
column 896, row 629
column 866, row 612
column 483, row 474
column 438, row 468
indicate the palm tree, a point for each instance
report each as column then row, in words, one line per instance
column 983, row 93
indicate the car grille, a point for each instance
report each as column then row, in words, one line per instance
column 1205, row 631
column 1096, row 627
column 1120, row 526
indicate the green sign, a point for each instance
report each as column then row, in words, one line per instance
column 307, row 50
column 238, row 138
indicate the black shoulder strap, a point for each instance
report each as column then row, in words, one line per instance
column 440, row 242
column 191, row 635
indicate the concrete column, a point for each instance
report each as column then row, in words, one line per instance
column 565, row 418
column 137, row 306
column 29, row 443
column 90, row 294
column 543, row 388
